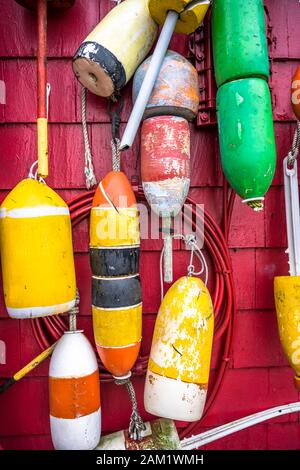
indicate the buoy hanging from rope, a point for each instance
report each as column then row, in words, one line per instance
column 296, row 93
column 165, row 162
column 42, row 108
column 116, row 288
column 183, row 16
column 286, row 288
column 247, row 139
column 36, row 252
column 74, row 391
column 179, row 364
column 176, row 91
column 239, row 40
column 109, row 56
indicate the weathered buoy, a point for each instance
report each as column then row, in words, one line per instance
column 116, row 287
column 296, row 93
column 176, row 91
column 191, row 13
column 179, row 364
column 74, row 391
column 36, row 252
column 111, row 53
column 287, row 301
column 247, row 140
column 160, row 434
column 239, row 40
column 165, row 163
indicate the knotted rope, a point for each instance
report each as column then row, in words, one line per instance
column 90, row 178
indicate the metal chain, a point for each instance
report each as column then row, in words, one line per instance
column 90, row 178
column 293, row 153
column 136, row 424
column 115, row 116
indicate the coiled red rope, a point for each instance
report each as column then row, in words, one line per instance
column 49, row 329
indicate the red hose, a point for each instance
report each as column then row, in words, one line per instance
column 48, row 330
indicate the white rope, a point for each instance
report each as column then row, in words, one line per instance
column 116, row 154
column 34, row 175
column 190, row 241
column 90, row 178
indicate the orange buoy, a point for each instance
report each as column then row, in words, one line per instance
column 295, row 98
column 116, row 287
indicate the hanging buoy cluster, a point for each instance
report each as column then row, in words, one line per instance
column 36, row 252
column 110, row 54
column 246, row 131
column 74, row 390
column 165, row 140
column 179, row 365
column 116, row 287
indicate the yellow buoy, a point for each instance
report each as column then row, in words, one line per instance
column 191, row 14
column 179, row 365
column 111, row 53
column 36, row 252
column 287, row 301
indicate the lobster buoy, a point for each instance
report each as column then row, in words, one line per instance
column 239, row 40
column 179, row 364
column 165, row 162
column 191, row 14
column 116, row 287
column 287, row 302
column 176, row 91
column 74, row 391
column 247, row 140
column 36, row 252
column 111, row 53
column 296, row 93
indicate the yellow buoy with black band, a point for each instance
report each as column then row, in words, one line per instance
column 179, row 364
column 36, row 252
column 109, row 56
column 116, row 287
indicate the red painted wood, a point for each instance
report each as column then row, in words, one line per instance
column 258, row 377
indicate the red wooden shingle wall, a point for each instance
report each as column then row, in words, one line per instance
column 258, row 377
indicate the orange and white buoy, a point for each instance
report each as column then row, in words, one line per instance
column 295, row 93
column 116, row 287
column 36, row 252
column 74, row 390
column 179, row 364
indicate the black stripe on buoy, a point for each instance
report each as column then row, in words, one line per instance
column 116, row 292
column 93, row 51
column 115, row 261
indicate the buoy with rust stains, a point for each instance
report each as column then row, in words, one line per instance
column 109, row 56
column 176, row 91
column 179, row 364
column 296, row 93
column 165, row 163
column 165, row 156
column 239, row 40
column 247, row 139
column 74, row 392
column 116, row 287
column 36, row 252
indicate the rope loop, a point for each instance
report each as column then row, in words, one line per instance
column 115, row 117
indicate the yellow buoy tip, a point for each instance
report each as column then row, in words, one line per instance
column 297, row 382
